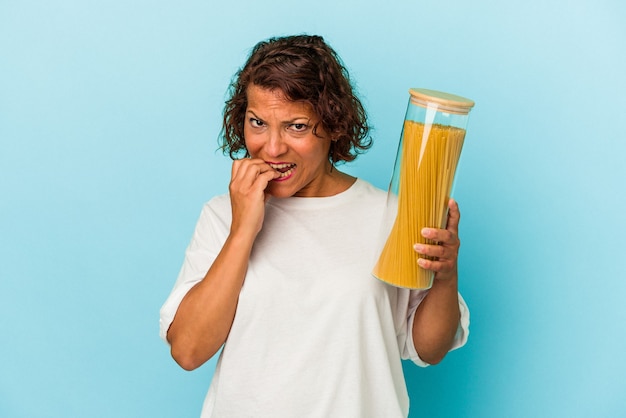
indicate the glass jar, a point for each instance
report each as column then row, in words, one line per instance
column 421, row 185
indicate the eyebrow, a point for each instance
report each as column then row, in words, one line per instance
column 293, row 120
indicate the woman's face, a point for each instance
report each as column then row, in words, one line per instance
column 280, row 132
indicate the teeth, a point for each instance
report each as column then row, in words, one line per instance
column 280, row 167
column 285, row 174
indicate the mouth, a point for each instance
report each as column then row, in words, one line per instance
column 284, row 169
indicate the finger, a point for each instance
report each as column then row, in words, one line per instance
column 265, row 176
column 448, row 236
column 254, row 177
column 440, row 236
column 250, row 169
column 454, row 216
column 241, row 165
column 262, row 173
column 433, row 251
column 438, row 266
column 235, row 168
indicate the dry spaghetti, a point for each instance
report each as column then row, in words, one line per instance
column 429, row 157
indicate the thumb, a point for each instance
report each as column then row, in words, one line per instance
column 454, row 216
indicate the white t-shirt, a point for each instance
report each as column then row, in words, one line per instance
column 315, row 334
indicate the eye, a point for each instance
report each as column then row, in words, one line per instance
column 256, row 123
column 298, row 127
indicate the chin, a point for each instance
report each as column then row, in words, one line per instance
column 280, row 192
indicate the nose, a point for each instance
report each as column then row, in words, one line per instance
column 275, row 145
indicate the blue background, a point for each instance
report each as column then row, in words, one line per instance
column 109, row 116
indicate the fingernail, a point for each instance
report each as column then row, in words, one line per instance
column 426, row 232
column 419, row 248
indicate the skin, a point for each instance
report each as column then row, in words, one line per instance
column 280, row 132
column 288, row 159
column 437, row 317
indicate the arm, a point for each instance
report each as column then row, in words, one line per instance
column 207, row 311
column 437, row 317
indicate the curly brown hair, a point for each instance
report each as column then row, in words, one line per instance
column 304, row 68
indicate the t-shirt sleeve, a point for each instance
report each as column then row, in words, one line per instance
column 415, row 297
column 205, row 244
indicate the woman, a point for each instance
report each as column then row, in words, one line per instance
column 278, row 272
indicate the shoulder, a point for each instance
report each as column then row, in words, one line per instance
column 217, row 207
column 219, row 201
column 367, row 199
column 366, row 190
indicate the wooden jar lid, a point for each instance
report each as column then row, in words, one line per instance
column 445, row 102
